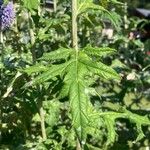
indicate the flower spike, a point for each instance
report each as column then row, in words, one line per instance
column 7, row 15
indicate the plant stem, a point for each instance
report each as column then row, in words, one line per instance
column 74, row 25
column 55, row 5
column 125, row 16
column 75, row 45
column 125, row 22
column 40, row 107
column 78, row 145
column 42, row 116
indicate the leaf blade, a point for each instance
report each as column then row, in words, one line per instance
column 96, row 51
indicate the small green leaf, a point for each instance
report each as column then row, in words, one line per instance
column 110, row 124
column 31, row 4
column 140, row 133
column 64, row 92
column 116, row 2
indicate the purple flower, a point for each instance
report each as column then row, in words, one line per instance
column 7, row 16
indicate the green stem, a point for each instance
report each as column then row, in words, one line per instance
column 74, row 25
column 42, row 117
column 40, row 107
column 55, row 5
column 78, row 145
column 75, row 45
column 125, row 17
column 125, row 22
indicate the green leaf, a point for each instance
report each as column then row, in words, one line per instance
column 86, row 5
column 140, row 132
column 53, row 111
column 75, row 86
column 111, row 116
column 110, row 124
column 118, row 64
column 78, row 104
column 51, row 72
column 31, row 4
column 96, row 51
column 79, row 100
column 64, row 92
column 100, row 69
column 61, row 53
column 35, row 69
column 113, row 17
column 115, row 2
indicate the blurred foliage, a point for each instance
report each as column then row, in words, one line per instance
column 138, row 3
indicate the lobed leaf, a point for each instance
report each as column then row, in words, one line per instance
column 51, row 72
column 79, row 101
column 96, row 51
column 35, row 69
column 86, row 5
column 110, row 118
column 100, row 69
column 78, row 104
column 61, row 53
column 113, row 17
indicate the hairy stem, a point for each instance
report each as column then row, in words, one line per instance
column 74, row 25
column 75, row 45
